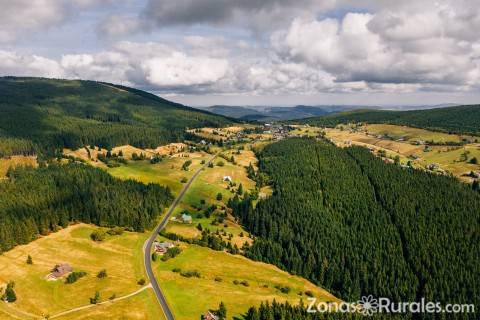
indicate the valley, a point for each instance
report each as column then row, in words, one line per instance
column 268, row 212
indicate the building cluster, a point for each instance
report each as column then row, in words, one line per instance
column 279, row 131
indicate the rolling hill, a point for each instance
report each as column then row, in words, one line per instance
column 459, row 119
column 42, row 115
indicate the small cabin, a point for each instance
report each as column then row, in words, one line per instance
column 59, row 270
column 186, row 218
column 210, row 316
column 162, row 247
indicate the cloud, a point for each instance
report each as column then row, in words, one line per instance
column 19, row 17
column 116, row 26
column 383, row 47
column 250, row 13
column 302, row 47
column 14, row 64
column 23, row 15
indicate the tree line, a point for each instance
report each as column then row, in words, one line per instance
column 35, row 202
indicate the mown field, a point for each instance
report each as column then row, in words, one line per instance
column 191, row 297
column 120, row 255
column 168, row 172
column 15, row 161
column 448, row 158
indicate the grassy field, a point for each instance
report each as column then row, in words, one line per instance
column 120, row 255
column 208, row 184
column 450, row 159
column 15, row 161
column 191, row 297
column 446, row 157
column 142, row 306
column 168, row 172
column 217, row 133
column 412, row 134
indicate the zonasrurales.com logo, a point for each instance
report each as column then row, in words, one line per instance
column 368, row 305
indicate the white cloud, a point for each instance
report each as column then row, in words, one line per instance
column 14, row 64
column 180, row 70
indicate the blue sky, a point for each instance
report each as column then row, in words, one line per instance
column 249, row 52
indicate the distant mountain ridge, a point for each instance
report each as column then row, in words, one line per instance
column 267, row 113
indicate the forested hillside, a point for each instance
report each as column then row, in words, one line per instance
column 285, row 311
column 36, row 201
column 462, row 119
column 357, row 226
column 41, row 115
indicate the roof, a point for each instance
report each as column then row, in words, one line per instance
column 186, row 217
column 61, row 269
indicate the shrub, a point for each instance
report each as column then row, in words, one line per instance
column 190, row 274
column 141, row 282
column 97, row 235
column 309, row 293
column 102, row 274
column 218, row 279
column 171, row 253
column 29, row 259
column 176, row 270
column 74, row 276
column 184, row 180
column 117, row 231
column 96, row 298
column 10, row 295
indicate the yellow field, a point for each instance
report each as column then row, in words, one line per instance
column 120, row 255
column 168, row 172
column 217, row 133
column 446, row 157
column 449, row 159
column 191, row 297
column 411, row 134
column 15, row 161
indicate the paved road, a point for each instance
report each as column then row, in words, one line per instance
column 147, row 247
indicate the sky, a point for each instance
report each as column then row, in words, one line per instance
column 253, row 52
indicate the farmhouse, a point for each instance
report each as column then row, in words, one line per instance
column 186, row 218
column 59, row 270
column 210, row 316
column 162, row 247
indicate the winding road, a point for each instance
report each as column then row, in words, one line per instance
column 147, row 247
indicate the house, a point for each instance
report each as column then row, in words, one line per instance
column 59, row 270
column 185, row 218
column 210, row 316
column 227, row 178
column 162, row 247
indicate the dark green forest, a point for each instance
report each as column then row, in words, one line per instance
column 286, row 311
column 37, row 201
column 42, row 115
column 461, row 120
column 357, row 226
